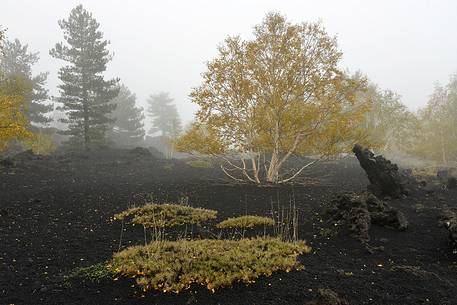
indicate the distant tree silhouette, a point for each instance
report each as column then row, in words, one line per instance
column 128, row 127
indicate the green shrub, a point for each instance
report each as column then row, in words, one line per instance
column 166, row 215
column 172, row 266
column 199, row 163
column 93, row 274
column 244, row 222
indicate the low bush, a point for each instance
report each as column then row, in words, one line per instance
column 199, row 163
column 244, row 222
column 91, row 274
column 166, row 215
column 171, row 266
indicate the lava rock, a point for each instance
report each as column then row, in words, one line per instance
column 7, row 162
column 443, row 174
column 27, row 155
column 144, row 153
column 360, row 211
column 448, row 220
column 451, row 183
column 384, row 215
column 384, row 177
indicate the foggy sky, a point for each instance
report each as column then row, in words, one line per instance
column 405, row 46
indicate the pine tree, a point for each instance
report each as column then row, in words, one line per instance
column 165, row 117
column 17, row 61
column 84, row 93
column 128, row 128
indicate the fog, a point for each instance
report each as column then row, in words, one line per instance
column 405, row 46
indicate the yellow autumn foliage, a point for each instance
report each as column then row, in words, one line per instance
column 13, row 121
column 279, row 94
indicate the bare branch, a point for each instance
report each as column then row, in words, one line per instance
column 299, row 171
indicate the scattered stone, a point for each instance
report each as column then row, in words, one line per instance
column 327, row 296
column 420, row 273
column 384, row 177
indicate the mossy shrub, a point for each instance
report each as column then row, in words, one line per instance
column 172, row 266
column 199, row 163
column 245, row 222
column 92, row 274
column 166, row 215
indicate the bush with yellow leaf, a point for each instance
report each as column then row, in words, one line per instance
column 13, row 121
column 246, row 221
column 166, row 215
column 173, row 266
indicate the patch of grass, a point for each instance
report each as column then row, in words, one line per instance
column 172, row 266
column 245, row 222
column 166, row 215
column 199, row 163
column 424, row 171
column 92, row 274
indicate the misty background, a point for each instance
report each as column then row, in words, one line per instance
column 405, row 46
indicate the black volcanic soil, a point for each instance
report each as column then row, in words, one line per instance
column 55, row 216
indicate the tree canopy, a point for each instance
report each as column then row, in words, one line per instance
column 18, row 61
column 437, row 136
column 13, row 108
column 279, row 94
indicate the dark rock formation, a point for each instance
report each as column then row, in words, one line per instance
column 27, row 155
column 384, row 215
column 359, row 212
column 7, row 162
column 448, row 220
column 352, row 210
column 145, row 153
column 383, row 175
column 451, row 183
column 448, row 177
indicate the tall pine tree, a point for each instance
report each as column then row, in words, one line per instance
column 17, row 62
column 128, row 128
column 84, row 93
column 165, row 117
column 165, row 122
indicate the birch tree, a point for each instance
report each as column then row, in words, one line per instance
column 278, row 95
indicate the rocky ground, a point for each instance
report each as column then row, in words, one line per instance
column 55, row 215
